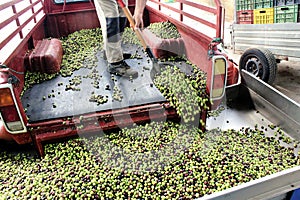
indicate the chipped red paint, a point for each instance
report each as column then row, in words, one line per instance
column 55, row 130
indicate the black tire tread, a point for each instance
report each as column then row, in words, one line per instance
column 272, row 65
column 266, row 58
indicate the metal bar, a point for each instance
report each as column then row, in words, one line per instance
column 9, row 20
column 8, row 4
column 23, row 42
column 70, row 12
column 181, row 9
column 159, row 4
column 223, row 22
column 64, row 6
column 17, row 21
column 199, row 6
column 20, row 27
column 4, row 42
column 273, row 43
column 183, row 13
column 220, row 21
column 218, row 11
column 32, row 10
column 203, row 21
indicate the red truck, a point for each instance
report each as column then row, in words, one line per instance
column 26, row 30
column 26, row 26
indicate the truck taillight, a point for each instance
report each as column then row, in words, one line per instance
column 9, row 111
column 6, row 98
column 219, row 77
column 9, row 114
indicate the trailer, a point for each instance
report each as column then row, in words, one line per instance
column 265, row 32
column 28, row 24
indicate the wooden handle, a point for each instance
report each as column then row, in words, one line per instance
column 132, row 23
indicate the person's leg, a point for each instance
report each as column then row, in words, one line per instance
column 113, row 22
column 108, row 13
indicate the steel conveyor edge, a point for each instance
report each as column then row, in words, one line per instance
column 268, row 187
column 284, row 112
column 275, row 106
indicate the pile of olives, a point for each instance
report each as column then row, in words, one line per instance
column 164, row 30
column 162, row 160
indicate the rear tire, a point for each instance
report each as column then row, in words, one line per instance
column 259, row 62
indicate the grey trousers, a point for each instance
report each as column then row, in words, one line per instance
column 113, row 21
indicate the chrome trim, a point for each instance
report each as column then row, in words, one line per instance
column 212, row 78
column 24, row 130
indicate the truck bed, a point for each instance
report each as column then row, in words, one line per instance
column 51, row 99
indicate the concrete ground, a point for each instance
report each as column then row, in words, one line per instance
column 288, row 79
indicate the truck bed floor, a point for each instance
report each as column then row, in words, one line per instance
column 50, row 99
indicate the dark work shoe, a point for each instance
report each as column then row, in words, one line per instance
column 122, row 69
column 125, row 55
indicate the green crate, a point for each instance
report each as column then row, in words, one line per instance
column 280, row 2
column 244, row 4
column 284, row 14
column 263, row 4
